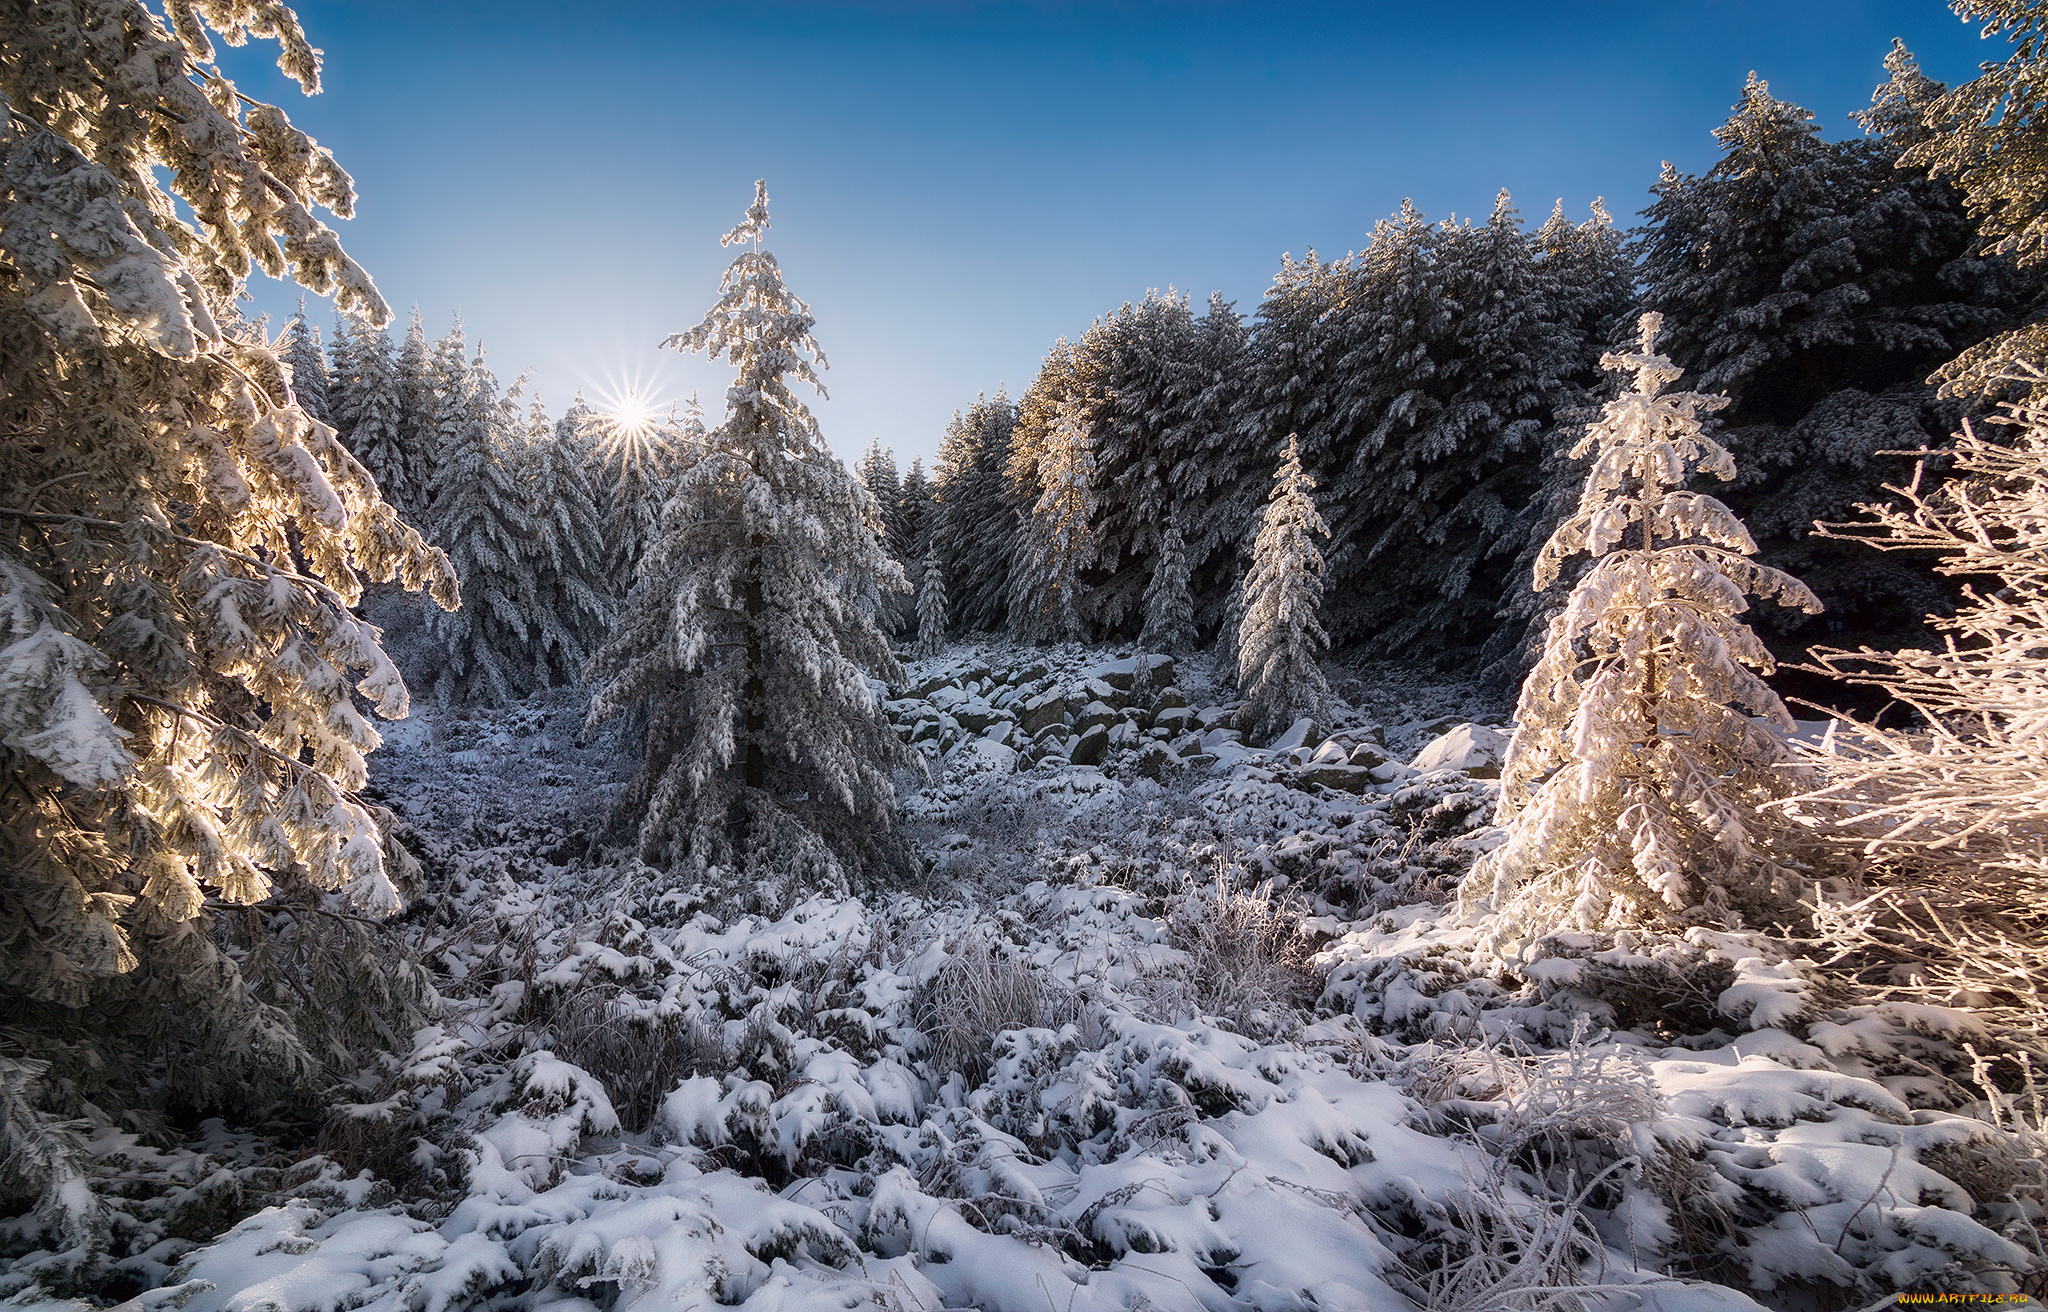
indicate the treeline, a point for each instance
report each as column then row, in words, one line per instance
column 1432, row 379
column 545, row 521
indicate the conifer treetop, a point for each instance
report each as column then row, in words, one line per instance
column 763, row 329
column 756, row 222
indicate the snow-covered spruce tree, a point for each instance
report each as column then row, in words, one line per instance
column 1648, row 746
column 1986, row 137
column 877, row 473
column 633, row 476
column 931, row 607
column 180, row 549
column 1157, row 391
column 1592, row 289
column 746, row 638
column 367, row 408
column 1281, row 632
column 482, row 519
column 910, row 536
column 974, row 528
column 1421, row 376
column 572, row 598
column 419, row 424
column 1169, row 609
column 1058, row 537
column 306, row 363
column 1818, row 283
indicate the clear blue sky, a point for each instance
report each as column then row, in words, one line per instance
column 955, row 184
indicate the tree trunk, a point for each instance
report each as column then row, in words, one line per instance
column 756, row 692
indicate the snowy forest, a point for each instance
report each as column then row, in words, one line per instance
column 1512, row 774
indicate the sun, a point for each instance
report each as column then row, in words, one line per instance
column 634, row 414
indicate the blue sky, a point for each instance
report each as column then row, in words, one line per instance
column 953, row 184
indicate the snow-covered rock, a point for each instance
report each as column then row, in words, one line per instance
column 1478, row 750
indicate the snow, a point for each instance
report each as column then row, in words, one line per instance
column 1064, row 1070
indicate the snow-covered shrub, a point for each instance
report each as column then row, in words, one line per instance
column 638, row 1058
column 1953, row 812
column 978, row 994
column 1647, row 742
column 1247, row 952
column 1505, row 1251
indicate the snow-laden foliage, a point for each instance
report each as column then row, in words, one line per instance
column 1169, row 604
column 1058, row 537
column 1281, row 634
column 370, row 416
column 182, row 676
column 636, row 467
column 1956, row 805
column 1818, row 283
column 572, row 602
column 1426, row 377
column 306, row 368
column 419, row 424
column 931, row 606
column 483, row 519
column 910, row 528
column 1984, row 137
column 974, row 529
column 877, row 473
column 1647, row 744
column 749, row 634
column 1158, row 394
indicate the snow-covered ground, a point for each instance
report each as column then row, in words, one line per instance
column 1169, row 1021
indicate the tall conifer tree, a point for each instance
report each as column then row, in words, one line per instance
column 1282, row 631
column 180, row 549
column 573, row 602
column 307, row 364
column 746, row 638
column 975, row 529
column 482, row 520
column 1647, row 746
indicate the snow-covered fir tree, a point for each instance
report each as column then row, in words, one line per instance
column 1058, row 537
column 1818, row 284
column 367, row 409
column 1169, row 608
column 419, row 421
column 1591, row 287
column 1282, row 632
column 1159, row 395
column 877, row 473
column 1421, row 375
column 910, row 532
column 572, row 598
column 634, row 459
column 307, row 364
column 448, row 379
column 746, row 638
column 1636, row 786
column 975, row 529
column 1984, row 138
column 180, row 550
column 932, row 620
column 482, row 518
